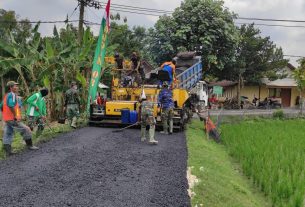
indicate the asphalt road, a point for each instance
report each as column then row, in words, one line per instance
column 95, row 167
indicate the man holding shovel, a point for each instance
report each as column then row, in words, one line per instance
column 37, row 111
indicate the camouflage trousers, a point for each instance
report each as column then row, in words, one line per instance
column 38, row 121
column 72, row 114
column 167, row 120
column 148, row 120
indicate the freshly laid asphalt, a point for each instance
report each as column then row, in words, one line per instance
column 96, row 167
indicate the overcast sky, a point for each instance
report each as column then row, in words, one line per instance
column 290, row 39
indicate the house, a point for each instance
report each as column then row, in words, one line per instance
column 285, row 90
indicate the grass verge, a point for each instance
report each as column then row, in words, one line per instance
column 221, row 183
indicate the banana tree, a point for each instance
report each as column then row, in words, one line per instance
column 22, row 57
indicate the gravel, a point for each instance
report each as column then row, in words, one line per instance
column 95, row 167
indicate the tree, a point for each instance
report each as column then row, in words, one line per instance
column 9, row 22
column 125, row 40
column 255, row 57
column 299, row 76
column 204, row 26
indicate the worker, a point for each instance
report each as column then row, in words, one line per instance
column 11, row 115
column 72, row 103
column 118, row 60
column 119, row 64
column 169, row 67
column 136, row 66
column 165, row 101
column 147, row 119
column 37, row 111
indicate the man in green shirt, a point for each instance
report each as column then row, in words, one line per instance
column 37, row 111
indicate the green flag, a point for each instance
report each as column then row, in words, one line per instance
column 99, row 56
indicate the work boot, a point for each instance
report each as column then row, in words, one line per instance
column 152, row 135
column 163, row 132
column 143, row 133
column 171, row 126
column 153, row 142
column 29, row 144
column 8, row 150
column 73, row 124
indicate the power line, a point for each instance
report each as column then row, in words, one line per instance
column 137, row 8
column 272, row 25
column 296, row 56
column 74, row 11
column 35, row 22
column 271, row 20
column 145, row 9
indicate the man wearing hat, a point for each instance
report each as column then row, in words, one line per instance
column 147, row 119
column 165, row 100
column 37, row 110
column 72, row 102
column 11, row 115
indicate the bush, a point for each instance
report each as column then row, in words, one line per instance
column 278, row 114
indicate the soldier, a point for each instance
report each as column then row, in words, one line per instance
column 147, row 119
column 72, row 102
column 37, row 111
column 165, row 100
column 11, row 115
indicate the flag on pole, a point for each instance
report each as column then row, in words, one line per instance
column 99, row 56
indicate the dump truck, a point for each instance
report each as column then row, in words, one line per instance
column 189, row 91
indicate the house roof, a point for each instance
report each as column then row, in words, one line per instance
column 286, row 82
column 223, row 83
column 289, row 65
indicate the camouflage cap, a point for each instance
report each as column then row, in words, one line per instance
column 73, row 83
column 11, row 83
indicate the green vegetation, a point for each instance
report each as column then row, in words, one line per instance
column 271, row 153
column 278, row 114
column 221, row 183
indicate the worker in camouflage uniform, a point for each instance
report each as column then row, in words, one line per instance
column 72, row 102
column 147, row 119
column 165, row 100
column 37, row 111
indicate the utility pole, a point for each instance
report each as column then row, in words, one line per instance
column 81, row 20
column 82, row 4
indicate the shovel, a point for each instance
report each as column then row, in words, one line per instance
column 120, row 130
